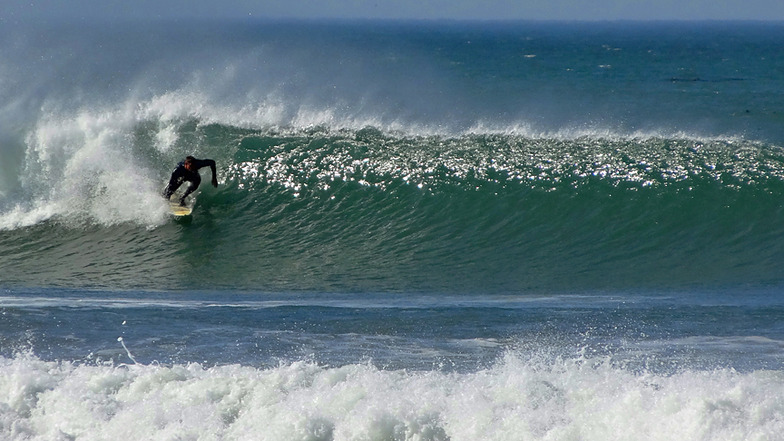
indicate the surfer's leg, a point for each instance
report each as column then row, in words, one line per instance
column 171, row 188
column 194, row 184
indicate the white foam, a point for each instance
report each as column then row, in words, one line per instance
column 518, row 399
column 81, row 168
column 19, row 216
column 592, row 131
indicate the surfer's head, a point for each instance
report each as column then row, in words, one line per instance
column 189, row 163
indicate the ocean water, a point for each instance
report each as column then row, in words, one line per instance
column 422, row 231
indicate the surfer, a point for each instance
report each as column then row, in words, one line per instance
column 188, row 170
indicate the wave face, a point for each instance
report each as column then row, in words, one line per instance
column 322, row 209
column 395, row 157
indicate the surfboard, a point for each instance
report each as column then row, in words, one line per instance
column 178, row 210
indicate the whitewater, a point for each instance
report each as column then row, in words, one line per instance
column 422, row 231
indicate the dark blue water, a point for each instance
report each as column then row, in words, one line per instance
column 402, row 331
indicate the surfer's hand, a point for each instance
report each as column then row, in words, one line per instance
column 215, row 182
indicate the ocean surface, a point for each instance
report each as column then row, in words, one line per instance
column 422, row 231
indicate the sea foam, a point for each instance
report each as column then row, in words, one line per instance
column 519, row 398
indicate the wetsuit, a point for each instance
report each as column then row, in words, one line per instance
column 182, row 174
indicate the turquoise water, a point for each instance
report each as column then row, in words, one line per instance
column 421, row 231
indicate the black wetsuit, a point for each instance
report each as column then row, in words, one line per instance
column 182, row 174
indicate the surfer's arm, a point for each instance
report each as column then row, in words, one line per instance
column 199, row 163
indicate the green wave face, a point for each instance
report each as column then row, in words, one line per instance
column 349, row 210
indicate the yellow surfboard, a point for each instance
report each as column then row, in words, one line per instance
column 178, row 210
